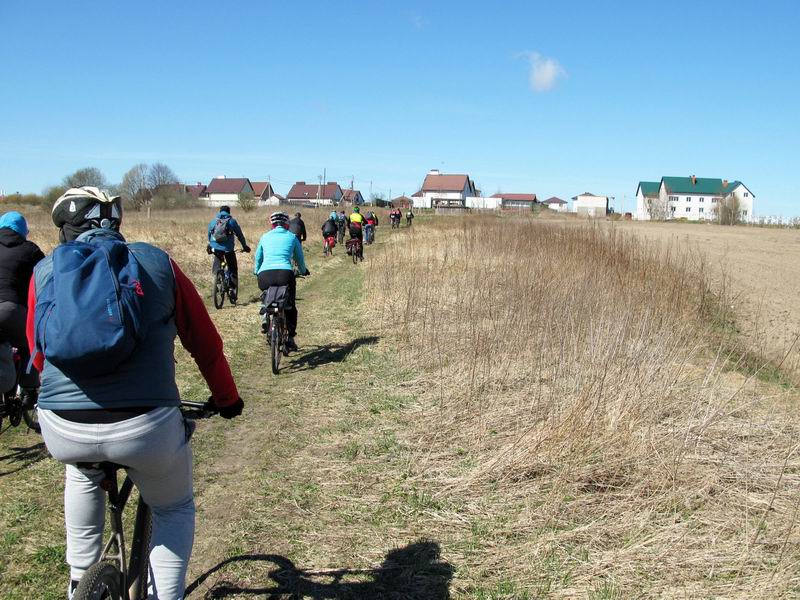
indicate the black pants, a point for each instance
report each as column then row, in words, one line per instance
column 356, row 232
column 233, row 268
column 278, row 277
column 12, row 330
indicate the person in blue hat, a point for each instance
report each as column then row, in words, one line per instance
column 18, row 256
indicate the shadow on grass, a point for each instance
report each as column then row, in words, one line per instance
column 316, row 356
column 416, row 571
column 27, row 456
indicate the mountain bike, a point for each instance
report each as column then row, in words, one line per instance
column 327, row 245
column 369, row 234
column 340, row 232
column 20, row 404
column 395, row 223
column 356, row 249
column 222, row 283
column 273, row 310
column 116, row 576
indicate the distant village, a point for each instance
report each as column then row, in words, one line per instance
column 689, row 198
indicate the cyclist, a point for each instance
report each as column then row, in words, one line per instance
column 125, row 413
column 274, row 255
column 329, row 227
column 298, row 227
column 371, row 224
column 409, row 217
column 221, row 230
column 357, row 222
column 18, row 257
column 342, row 222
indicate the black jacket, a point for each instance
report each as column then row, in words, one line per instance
column 297, row 227
column 17, row 259
column 329, row 227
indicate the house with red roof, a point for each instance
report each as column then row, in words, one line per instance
column 315, row 194
column 196, row 190
column 444, row 191
column 556, row 204
column 262, row 190
column 226, row 190
column 352, row 197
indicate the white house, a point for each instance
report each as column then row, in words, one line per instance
column 226, row 190
column 444, row 191
column 310, row 194
column 590, row 205
column 556, row 204
column 692, row 198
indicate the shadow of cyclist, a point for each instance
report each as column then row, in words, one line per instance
column 317, row 356
column 27, row 456
column 414, row 572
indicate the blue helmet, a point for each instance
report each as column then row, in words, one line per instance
column 333, row 216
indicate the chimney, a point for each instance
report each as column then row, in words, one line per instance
column 433, row 172
column 694, row 180
column 724, row 183
column 300, row 183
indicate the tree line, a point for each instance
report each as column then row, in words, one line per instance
column 142, row 185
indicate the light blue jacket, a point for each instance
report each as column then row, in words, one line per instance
column 276, row 249
column 229, row 243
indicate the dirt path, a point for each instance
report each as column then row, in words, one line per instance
column 304, row 496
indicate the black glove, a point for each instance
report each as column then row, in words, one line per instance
column 209, row 249
column 307, row 273
column 246, row 249
column 228, row 412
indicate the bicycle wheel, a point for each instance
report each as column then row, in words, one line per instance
column 102, row 581
column 325, row 248
column 355, row 255
column 138, row 569
column 31, row 416
column 275, row 345
column 219, row 289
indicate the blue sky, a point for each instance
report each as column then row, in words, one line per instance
column 554, row 98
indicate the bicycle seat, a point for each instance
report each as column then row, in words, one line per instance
column 104, row 465
column 273, row 297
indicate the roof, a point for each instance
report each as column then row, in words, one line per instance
column 554, row 200
column 649, row 188
column 259, row 187
column 518, row 197
column 699, row 185
column 227, row 185
column 444, row 183
column 349, row 195
column 196, row 190
column 417, row 194
column 590, row 195
column 308, row 191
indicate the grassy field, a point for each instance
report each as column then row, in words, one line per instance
column 482, row 409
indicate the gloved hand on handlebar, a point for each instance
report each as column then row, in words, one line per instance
column 246, row 249
column 230, row 411
column 307, row 273
column 209, row 249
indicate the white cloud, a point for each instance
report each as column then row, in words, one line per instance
column 545, row 72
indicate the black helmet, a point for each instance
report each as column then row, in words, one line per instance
column 80, row 209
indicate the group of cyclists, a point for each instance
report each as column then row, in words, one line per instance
column 108, row 390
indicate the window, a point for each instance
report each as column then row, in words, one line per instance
column 673, row 198
column 672, row 208
column 688, row 209
column 701, row 209
column 744, row 213
column 701, row 199
column 688, row 198
column 713, row 200
column 746, row 195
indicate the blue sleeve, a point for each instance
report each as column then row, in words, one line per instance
column 238, row 231
column 259, row 258
column 210, row 230
column 297, row 253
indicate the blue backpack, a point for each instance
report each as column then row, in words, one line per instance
column 89, row 314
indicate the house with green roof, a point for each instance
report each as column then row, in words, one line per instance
column 692, row 198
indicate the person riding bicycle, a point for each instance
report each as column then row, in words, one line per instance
column 18, row 257
column 370, row 225
column 221, row 244
column 342, row 222
column 298, row 227
column 119, row 403
column 409, row 217
column 273, row 266
column 329, row 228
column 357, row 222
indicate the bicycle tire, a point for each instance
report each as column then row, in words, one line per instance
column 31, row 417
column 355, row 256
column 325, row 249
column 102, row 581
column 15, row 411
column 275, row 346
column 139, row 569
column 219, row 290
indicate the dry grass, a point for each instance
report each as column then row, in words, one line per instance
column 574, row 395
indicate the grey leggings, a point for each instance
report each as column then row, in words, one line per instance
column 155, row 448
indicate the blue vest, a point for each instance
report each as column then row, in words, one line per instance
column 147, row 378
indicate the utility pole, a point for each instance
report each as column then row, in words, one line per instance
column 319, row 189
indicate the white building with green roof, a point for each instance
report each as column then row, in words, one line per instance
column 692, row 198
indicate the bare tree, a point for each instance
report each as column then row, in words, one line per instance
column 160, row 174
column 134, row 187
column 247, row 202
column 656, row 208
column 728, row 210
column 86, row 176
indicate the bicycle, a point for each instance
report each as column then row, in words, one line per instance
column 327, row 246
column 356, row 249
column 114, row 578
column 340, row 232
column 222, row 282
column 273, row 310
column 369, row 234
column 19, row 404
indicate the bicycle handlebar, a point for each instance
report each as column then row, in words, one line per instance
column 198, row 410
